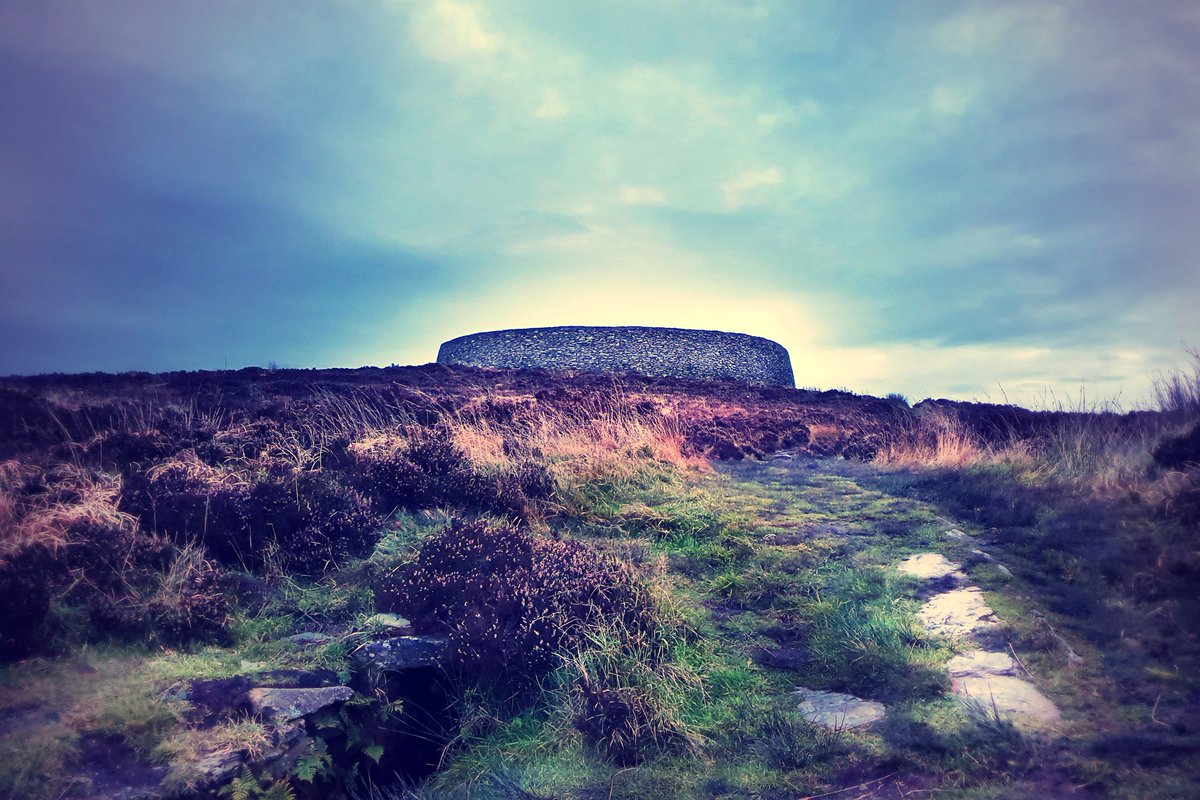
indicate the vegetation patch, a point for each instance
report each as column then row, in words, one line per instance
column 511, row 601
column 634, row 587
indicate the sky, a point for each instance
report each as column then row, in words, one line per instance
column 942, row 199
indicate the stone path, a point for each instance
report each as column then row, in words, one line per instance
column 983, row 674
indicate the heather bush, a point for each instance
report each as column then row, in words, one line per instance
column 511, row 601
column 181, row 602
column 26, row 577
column 126, row 583
column 337, row 521
column 305, row 522
column 428, row 470
column 1179, row 452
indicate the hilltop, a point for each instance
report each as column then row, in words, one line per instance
column 514, row 583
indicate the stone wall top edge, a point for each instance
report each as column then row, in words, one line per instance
column 609, row 328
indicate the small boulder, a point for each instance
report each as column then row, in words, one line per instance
column 838, row 711
column 286, row 705
column 401, row 653
column 392, row 623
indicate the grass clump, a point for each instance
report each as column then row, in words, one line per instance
column 628, row 696
column 866, row 641
column 785, row 741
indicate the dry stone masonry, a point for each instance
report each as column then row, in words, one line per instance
column 657, row 352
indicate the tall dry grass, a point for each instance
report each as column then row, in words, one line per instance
column 937, row 438
column 609, row 439
column 601, row 439
column 1097, row 447
column 43, row 506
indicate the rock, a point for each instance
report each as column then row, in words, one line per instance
column 215, row 700
column 978, row 556
column 838, row 711
column 297, row 679
column 959, row 612
column 930, row 567
column 286, row 705
column 955, row 533
column 978, row 663
column 392, row 622
column 1011, row 697
column 212, row 771
column 216, row 769
column 309, row 638
column 400, row 653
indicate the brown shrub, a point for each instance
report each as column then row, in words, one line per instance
column 305, row 521
column 511, row 601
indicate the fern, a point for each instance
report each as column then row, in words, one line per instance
column 248, row 787
column 281, row 790
column 316, row 761
column 243, row 787
column 374, row 752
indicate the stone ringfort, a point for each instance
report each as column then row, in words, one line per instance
column 657, row 352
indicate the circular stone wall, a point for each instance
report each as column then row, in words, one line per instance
column 659, row 352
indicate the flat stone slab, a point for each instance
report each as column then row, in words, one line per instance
column 401, row 653
column 285, row 705
column 980, row 663
column 391, row 622
column 959, row 612
column 1013, row 698
column 838, row 711
column 929, row 567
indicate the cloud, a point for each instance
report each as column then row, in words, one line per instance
column 1036, row 27
column 552, row 106
column 452, row 31
column 950, row 101
column 641, row 195
column 746, row 187
column 911, row 197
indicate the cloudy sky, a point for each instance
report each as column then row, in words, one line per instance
column 945, row 199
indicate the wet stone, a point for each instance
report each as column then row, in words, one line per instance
column 838, row 711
